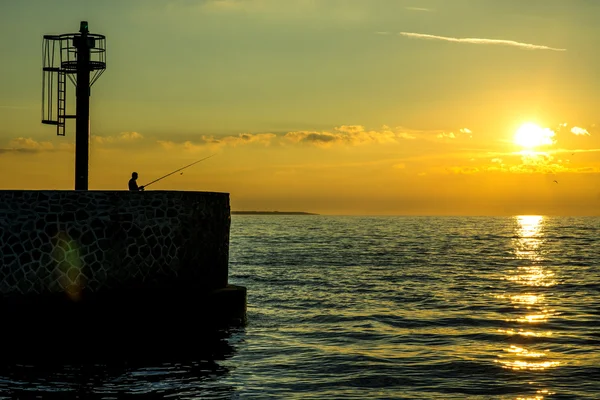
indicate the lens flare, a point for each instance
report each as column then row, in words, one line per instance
column 68, row 271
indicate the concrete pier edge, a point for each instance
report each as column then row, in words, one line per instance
column 158, row 262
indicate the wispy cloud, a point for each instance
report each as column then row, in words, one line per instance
column 479, row 41
column 418, row 9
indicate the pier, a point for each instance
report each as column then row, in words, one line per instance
column 79, row 261
column 100, row 269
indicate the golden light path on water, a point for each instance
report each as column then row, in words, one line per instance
column 531, row 309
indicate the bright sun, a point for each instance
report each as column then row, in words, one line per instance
column 531, row 135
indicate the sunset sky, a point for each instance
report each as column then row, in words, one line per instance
column 420, row 107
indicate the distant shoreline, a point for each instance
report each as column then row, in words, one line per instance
column 271, row 213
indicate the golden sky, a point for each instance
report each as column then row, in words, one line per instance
column 430, row 107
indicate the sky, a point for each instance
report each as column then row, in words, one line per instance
column 343, row 107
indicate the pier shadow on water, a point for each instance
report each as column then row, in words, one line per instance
column 157, row 350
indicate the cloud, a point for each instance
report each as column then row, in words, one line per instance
column 130, row 136
column 479, row 41
column 204, row 141
column 579, row 131
column 28, row 145
column 524, row 162
column 239, row 140
column 247, row 138
column 166, row 144
column 445, row 135
column 21, row 150
column 464, row 170
column 521, row 162
column 343, row 135
column 352, row 135
column 324, row 139
column 121, row 137
column 561, row 126
column 418, row 9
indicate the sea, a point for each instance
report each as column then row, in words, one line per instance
column 350, row 307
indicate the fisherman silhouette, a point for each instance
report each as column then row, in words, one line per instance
column 133, row 184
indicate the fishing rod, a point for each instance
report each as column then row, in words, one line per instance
column 162, row 177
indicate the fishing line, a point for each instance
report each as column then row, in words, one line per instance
column 177, row 170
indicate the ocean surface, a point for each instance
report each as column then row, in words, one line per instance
column 383, row 308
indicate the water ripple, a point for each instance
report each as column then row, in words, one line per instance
column 385, row 307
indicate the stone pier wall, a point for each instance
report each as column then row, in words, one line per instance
column 95, row 241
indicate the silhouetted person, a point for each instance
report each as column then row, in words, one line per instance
column 133, row 184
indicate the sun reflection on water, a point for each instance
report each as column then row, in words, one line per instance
column 520, row 358
column 536, row 318
column 530, row 225
column 531, row 308
column 526, row 298
column 538, row 396
column 521, row 332
column 529, row 236
column 533, row 276
column 521, row 365
column 524, row 352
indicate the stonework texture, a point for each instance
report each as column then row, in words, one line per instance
column 71, row 241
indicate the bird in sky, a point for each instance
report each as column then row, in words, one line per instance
column 555, row 181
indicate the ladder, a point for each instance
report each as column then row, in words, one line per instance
column 62, row 102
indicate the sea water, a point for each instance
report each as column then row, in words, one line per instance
column 383, row 308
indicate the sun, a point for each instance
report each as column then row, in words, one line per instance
column 530, row 136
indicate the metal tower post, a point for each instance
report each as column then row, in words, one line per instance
column 82, row 125
column 80, row 57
